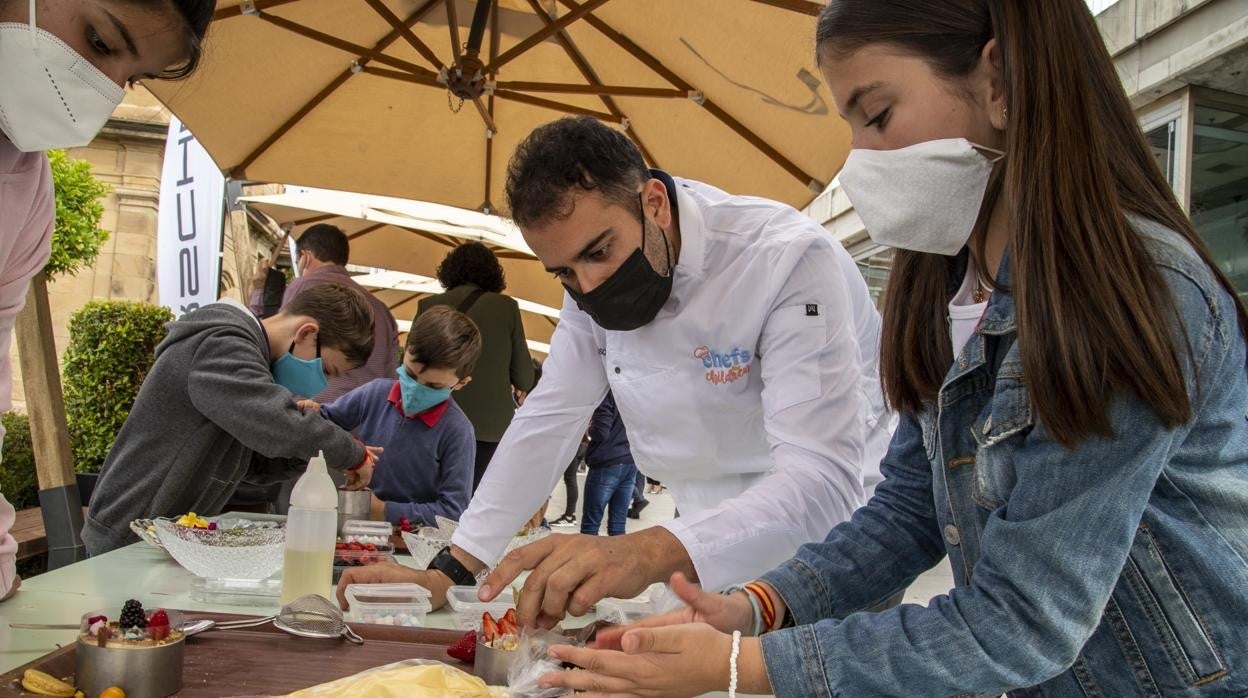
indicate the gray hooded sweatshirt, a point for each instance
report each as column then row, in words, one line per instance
column 206, row 408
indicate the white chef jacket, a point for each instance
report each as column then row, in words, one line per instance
column 754, row 395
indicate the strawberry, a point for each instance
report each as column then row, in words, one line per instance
column 370, row 547
column 489, row 627
column 465, row 649
column 354, row 545
column 508, row 625
column 340, row 546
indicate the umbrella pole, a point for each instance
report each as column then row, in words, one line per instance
column 480, row 16
column 58, row 487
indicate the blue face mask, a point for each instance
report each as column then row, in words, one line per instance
column 418, row 397
column 304, row 377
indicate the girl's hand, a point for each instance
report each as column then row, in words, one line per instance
column 724, row 613
column 680, row 660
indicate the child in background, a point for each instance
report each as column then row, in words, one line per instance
column 430, row 444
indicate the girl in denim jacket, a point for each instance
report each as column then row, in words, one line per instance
column 1069, row 364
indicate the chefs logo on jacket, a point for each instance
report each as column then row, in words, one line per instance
column 724, row 367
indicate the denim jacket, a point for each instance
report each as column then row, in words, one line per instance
column 1117, row 568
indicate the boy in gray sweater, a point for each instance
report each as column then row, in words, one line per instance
column 221, row 391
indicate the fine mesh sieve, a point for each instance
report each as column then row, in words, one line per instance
column 314, row 616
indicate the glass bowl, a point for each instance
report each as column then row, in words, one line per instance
column 145, row 529
column 232, row 551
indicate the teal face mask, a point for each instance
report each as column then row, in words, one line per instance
column 418, row 397
column 303, row 377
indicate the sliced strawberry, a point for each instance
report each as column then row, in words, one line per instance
column 465, row 650
column 489, row 627
column 507, row 625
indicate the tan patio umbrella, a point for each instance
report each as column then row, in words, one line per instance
column 427, row 99
column 413, row 237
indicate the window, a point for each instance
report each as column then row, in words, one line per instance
column 1219, row 172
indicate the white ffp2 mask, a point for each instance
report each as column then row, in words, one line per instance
column 50, row 96
column 925, row 197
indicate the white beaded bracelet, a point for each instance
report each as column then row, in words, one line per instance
column 732, row 664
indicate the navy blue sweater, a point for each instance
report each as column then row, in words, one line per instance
column 608, row 442
column 425, row 471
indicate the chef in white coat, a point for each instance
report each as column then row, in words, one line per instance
column 741, row 346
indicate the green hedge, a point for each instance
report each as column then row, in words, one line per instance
column 18, row 480
column 111, row 348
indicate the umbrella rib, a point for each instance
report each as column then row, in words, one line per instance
column 486, row 116
column 238, row 171
column 593, row 89
column 578, row 12
column 801, row 6
column 237, row 10
column 397, row 24
column 591, row 76
column 342, row 45
column 557, row 106
column 365, row 231
column 428, row 80
column 715, row 110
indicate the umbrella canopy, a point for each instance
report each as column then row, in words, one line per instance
column 412, row 237
column 427, row 99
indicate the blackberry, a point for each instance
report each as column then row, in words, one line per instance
column 132, row 615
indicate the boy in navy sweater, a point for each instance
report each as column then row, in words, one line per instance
column 430, row 446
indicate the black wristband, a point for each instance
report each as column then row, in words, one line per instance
column 446, row 563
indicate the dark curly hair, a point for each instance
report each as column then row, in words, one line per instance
column 472, row 263
column 575, row 152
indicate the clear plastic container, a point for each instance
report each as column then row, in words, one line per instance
column 237, row 592
column 388, row 604
column 467, row 609
column 361, row 534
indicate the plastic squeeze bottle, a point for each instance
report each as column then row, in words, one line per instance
column 311, row 532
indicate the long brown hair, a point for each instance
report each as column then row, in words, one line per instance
column 1093, row 313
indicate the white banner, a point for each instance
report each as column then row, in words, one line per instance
column 188, row 247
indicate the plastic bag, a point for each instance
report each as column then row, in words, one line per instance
column 533, row 662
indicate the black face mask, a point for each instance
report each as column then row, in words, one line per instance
column 632, row 296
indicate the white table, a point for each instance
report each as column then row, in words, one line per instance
column 137, row 571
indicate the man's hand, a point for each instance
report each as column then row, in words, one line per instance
column 261, row 274
column 305, row 405
column 377, row 509
column 391, row 573
column 572, row 572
